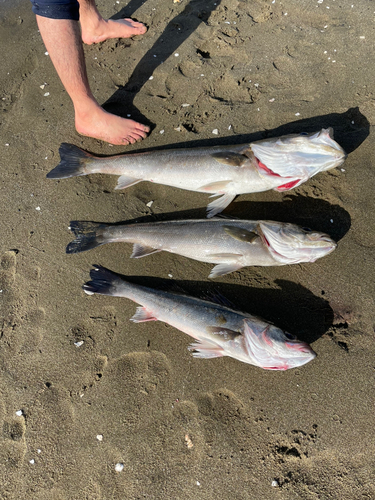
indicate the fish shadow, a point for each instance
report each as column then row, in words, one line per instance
column 312, row 213
column 307, row 212
column 290, row 306
column 350, row 129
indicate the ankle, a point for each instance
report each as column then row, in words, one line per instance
column 86, row 109
column 90, row 18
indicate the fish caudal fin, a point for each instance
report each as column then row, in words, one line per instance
column 217, row 206
column 73, row 161
column 103, row 282
column 88, row 235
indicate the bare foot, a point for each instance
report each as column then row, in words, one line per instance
column 102, row 125
column 104, row 29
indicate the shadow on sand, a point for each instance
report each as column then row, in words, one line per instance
column 351, row 128
column 175, row 33
column 312, row 213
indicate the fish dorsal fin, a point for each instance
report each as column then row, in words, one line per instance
column 142, row 250
column 124, row 181
column 206, row 349
column 240, row 234
column 218, row 298
column 229, row 158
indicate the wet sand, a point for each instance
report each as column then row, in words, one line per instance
column 132, row 394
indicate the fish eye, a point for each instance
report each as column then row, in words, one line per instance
column 307, row 229
column 289, row 336
column 303, row 133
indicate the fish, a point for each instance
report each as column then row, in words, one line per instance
column 226, row 171
column 218, row 330
column 230, row 244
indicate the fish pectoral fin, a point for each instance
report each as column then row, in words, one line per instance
column 206, row 349
column 219, row 205
column 215, row 187
column 229, row 158
column 142, row 250
column 241, row 234
column 224, row 268
column 142, row 315
column 124, row 181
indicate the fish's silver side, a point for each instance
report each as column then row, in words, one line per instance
column 218, row 330
column 230, row 244
column 220, row 171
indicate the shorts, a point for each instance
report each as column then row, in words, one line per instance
column 56, row 9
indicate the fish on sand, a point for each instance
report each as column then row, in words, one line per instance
column 226, row 171
column 217, row 329
column 230, row 244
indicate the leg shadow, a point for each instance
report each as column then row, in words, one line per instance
column 175, row 33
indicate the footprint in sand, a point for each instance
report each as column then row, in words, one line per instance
column 21, row 319
column 12, row 443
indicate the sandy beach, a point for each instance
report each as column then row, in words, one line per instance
column 95, row 407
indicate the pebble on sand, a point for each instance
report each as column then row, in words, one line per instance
column 119, row 467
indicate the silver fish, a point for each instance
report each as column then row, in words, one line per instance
column 218, row 330
column 229, row 243
column 279, row 164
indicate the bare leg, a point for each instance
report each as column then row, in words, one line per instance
column 62, row 38
column 96, row 29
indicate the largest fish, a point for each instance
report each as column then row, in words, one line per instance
column 218, row 330
column 279, row 163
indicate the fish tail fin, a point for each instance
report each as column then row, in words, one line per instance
column 88, row 235
column 103, row 282
column 73, row 162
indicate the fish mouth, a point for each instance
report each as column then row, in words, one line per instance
column 304, row 356
column 295, row 362
column 303, row 348
column 323, row 247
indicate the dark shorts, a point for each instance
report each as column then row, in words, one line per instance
column 56, row 9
